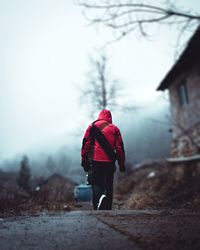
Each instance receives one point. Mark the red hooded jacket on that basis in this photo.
(112, 134)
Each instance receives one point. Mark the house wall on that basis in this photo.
(186, 118)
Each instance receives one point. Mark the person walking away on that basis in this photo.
(102, 146)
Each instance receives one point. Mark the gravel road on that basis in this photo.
(117, 229)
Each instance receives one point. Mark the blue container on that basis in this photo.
(83, 192)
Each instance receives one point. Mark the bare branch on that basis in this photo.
(120, 5)
(127, 17)
(142, 8)
(139, 22)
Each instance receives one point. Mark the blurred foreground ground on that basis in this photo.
(156, 207)
(170, 229)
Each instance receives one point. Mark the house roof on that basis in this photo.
(189, 58)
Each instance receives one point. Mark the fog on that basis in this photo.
(145, 133)
(44, 59)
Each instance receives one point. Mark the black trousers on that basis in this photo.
(103, 174)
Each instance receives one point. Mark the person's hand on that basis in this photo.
(85, 165)
(122, 168)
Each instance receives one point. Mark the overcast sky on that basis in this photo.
(44, 56)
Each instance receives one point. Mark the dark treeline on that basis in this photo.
(46, 164)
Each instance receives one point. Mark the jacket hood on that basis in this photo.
(105, 115)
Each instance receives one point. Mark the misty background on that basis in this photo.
(45, 52)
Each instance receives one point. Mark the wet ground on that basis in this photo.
(117, 229)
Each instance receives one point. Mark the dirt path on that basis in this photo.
(124, 230)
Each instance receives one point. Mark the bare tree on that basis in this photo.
(50, 164)
(24, 177)
(101, 90)
(127, 16)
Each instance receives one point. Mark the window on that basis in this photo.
(183, 94)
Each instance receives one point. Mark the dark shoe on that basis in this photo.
(102, 202)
